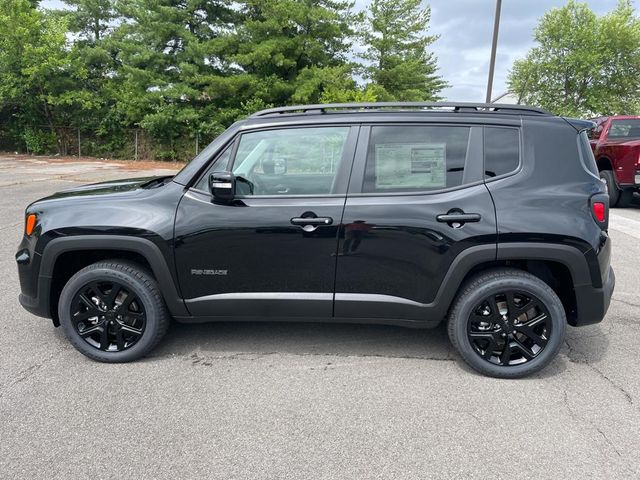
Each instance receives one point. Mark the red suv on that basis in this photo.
(616, 145)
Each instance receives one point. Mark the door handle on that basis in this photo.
(456, 218)
(459, 217)
(314, 221)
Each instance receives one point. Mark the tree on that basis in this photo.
(583, 65)
(399, 61)
(41, 83)
(91, 18)
(292, 51)
(170, 75)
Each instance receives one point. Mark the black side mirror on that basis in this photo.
(222, 186)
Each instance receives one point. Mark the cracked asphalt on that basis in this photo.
(280, 401)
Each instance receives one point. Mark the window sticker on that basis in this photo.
(412, 165)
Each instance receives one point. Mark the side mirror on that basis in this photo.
(222, 186)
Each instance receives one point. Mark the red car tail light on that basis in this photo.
(599, 211)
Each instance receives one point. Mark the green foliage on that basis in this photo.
(181, 71)
(583, 65)
(397, 48)
(39, 141)
(42, 80)
(90, 18)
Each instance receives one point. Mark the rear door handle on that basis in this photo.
(314, 221)
(459, 217)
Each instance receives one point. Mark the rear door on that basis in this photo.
(416, 200)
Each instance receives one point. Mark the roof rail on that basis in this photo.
(444, 106)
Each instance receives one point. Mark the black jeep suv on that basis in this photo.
(491, 217)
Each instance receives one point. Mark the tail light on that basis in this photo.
(599, 204)
(598, 211)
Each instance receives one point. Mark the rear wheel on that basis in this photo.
(112, 311)
(507, 323)
(612, 188)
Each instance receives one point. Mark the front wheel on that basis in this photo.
(507, 323)
(113, 311)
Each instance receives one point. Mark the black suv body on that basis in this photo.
(493, 217)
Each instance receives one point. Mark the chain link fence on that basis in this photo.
(127, 144)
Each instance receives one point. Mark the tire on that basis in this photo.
(481, 349)
(124, 333)
(612, 188)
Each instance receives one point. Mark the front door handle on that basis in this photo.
(314, 221)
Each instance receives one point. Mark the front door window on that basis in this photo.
(293, 161)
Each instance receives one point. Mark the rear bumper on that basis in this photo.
(593, 303)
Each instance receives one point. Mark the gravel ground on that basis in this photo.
(282, 401)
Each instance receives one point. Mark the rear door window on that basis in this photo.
(403, 158)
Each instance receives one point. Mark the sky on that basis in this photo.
(464, 47)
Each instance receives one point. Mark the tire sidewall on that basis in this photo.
(612, 188)
(152, 312)
(542, 292)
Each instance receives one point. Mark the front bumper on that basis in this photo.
(35, 305)
(593, 303)
(35, 288)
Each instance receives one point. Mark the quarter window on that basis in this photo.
(501, 151)
(408, 159)
(292, 161)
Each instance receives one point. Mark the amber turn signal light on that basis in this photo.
(30, 225)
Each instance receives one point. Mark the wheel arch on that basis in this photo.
(562, 267)
(552, 272)
(604, 163)
(62, 257)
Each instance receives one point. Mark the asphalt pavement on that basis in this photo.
(307, 401)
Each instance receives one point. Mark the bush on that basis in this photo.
(166, 155)
(39, 141)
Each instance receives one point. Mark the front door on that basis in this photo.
(417, 200)
(270, 253)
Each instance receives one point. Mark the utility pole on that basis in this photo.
(494, 45)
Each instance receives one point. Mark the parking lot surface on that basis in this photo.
(308, 401)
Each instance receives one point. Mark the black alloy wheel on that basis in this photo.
(507, 323)
(509, 328)
(113, 311)
(108, 316)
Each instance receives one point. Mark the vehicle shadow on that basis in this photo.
(584, 345)
(224, 338)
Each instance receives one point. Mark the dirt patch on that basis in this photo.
(123, 164)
